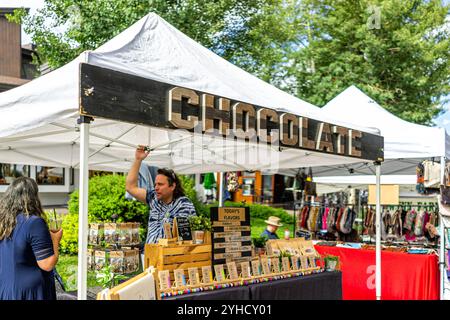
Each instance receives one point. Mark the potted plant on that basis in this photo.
(260, 245)
(199, 225)
(331, 262)
(107, 278)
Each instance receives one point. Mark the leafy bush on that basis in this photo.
(69, 241)
(200, 223)
(106, 198)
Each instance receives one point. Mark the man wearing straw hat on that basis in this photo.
(272, 225)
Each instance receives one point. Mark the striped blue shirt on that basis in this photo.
(161, 213)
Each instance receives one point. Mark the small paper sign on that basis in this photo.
(167, 231)
(245, 269)
(255, 268)
(295, 262)
(312, 261)
(220, 272)
(180, 278)
(164, 280)
(194, 277)
(304, 262)
(265, 263)
(232, 270)
(276, 268)
(285, 262)
(207, 276)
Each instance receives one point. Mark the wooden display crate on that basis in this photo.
(177, 256)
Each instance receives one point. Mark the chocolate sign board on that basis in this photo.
(231, 241)
(116, 95)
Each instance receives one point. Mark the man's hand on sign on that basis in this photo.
(141, 154)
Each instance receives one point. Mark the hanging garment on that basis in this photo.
(410, 219)
(348, 219)
(319, 219)
(403, 213)
(304, 217)
(420, 188)
(367, 221)
(300, 217)
(433, 216)
(431, 174)
(418, 224)
(311, 224)
(384, 223)
(394, 225)
(325, 219)
(339, 218)
(426, 219)
(331, 220)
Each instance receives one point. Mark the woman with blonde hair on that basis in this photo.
(28, 250)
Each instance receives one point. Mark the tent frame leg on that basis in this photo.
(84, 123)
(378, 232)
(442, 240)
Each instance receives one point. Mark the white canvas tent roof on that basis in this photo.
(405, 144)
(402, 139)
(38, 119)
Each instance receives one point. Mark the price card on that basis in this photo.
(304, 262)
(164, 280)
(220, 272)
(312, 261)
(265, 263)
(194, 277)
(295, 263)
(180, 278)
(276, 268)
(255, 268)
(285, 262)
(245, 269)
(167, 231)
(207, 276)
(232, 270)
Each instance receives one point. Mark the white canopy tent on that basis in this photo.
(39, 120)
(405, 145)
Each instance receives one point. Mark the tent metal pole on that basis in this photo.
(442, 242)
(378, 232)
(221, 175)
(83, 207)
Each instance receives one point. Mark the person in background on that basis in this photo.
(28, 250)
(273, 223)
(166, 201)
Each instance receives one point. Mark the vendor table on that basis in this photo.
(404, 276)
(322, 286)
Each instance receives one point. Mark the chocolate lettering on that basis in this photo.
(177, 94)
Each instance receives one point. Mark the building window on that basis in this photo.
(50, 175)
(8, 172)
(72, 176)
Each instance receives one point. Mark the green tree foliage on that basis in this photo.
(395, 51)
(220, 25)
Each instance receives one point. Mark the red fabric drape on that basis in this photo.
(403, 276)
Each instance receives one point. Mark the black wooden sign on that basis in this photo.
(120, 96)
(230, 236)
(184, 229)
